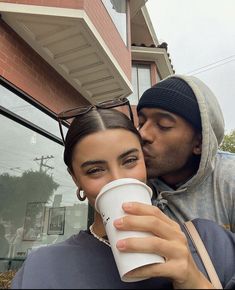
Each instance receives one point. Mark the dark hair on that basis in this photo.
(175, 95)
(94, 121)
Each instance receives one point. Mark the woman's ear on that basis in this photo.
(197, 149)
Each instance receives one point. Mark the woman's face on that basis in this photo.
(105, 156)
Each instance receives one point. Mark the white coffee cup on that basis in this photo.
(109, 204)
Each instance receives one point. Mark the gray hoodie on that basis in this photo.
(210, 193)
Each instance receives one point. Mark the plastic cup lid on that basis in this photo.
(118, 182)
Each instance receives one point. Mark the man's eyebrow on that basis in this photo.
(166, 115)
(92, 162)
(124, 154)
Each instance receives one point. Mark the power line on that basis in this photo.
(213, 64)
(213, 67)
(42, 163)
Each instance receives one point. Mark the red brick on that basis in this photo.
(3, 56)
(1, 71)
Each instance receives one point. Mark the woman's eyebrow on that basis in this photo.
(126, 153)
(92, 162)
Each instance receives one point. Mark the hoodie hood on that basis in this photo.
(212, 126)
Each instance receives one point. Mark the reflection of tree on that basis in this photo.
(119, 6)
(33, 221)
(16, 192)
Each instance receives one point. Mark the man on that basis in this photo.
(182, 125)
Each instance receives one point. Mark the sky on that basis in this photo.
(201, 42)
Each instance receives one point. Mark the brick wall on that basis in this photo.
(23, 67)
(75, 4)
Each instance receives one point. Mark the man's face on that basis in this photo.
(169, 145)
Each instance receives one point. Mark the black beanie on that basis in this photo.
(174, 95)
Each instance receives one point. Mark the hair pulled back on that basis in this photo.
(95, 120)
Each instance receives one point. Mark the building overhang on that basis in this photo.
(153, 54)
(135, 6)
(70, 43)
(142, 31)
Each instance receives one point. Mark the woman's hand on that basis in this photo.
(168, 241)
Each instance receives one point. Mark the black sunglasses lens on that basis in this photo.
(66, 115)
(112, 103)
(74, 112)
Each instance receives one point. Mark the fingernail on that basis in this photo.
(118, 222)
(127, 205)
(121, 245)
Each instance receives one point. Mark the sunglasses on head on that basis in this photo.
(81, 110)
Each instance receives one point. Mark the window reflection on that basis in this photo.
(12, 102)
(117, 11)
(33, 180)
(141, 81)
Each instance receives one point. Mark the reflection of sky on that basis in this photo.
(22, 108)
(117, 11)
(20, 147)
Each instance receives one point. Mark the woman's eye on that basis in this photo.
(95, 171)
(130, 161)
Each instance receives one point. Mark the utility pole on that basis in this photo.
(43, 160)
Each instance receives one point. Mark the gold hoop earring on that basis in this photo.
(78, 193)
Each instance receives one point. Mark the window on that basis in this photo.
(141, 81)
(117, 11)
(33, 181)
(24, 109)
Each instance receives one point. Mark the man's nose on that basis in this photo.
(147, 132)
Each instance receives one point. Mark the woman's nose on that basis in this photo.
(117, 173)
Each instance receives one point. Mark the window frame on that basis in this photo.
(126, 38)
(152, 67)
(30, 125)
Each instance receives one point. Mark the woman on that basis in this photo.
(103, 145)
